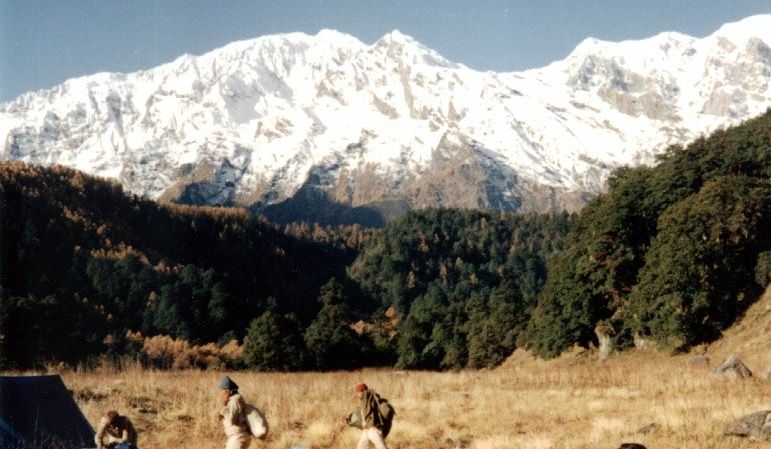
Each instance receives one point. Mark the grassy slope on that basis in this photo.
(749, 338)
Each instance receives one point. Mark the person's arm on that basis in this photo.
(124, 436)
(99, 437)
(132, 432)
(224, 399)
(364, 410)
(239, 411)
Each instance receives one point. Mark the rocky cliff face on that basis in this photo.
(386, 127)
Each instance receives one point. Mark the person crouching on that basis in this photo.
(115, 432)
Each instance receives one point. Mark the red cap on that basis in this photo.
(361, 387)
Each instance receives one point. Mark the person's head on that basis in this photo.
(227, 385)
(114, 420)
(111, 415)
(360, 388)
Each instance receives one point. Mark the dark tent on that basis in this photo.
(39, 412)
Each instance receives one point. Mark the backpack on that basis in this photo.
(256, 422)
(387, 412)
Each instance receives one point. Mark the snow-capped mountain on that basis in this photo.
(294, 123)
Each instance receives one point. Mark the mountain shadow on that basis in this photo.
(311, 204)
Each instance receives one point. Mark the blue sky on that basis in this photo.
(42, 43)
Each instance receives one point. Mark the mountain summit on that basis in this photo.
(330, 129)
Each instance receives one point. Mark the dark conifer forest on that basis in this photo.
(672, 254)
(85, 266)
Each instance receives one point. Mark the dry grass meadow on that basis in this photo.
(568, 403)
(575, 402)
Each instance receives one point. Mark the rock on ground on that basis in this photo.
(755, 425)
(733, 367)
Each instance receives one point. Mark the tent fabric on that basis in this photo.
(7, 440)
(39, 412)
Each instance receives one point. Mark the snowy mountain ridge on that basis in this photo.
(295, 123)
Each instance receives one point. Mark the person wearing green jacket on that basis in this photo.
(374, 426)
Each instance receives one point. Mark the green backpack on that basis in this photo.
(386, 410)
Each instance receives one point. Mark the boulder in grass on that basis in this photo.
(756, 426)
(631, 446)
(733, 367)
(697, 360)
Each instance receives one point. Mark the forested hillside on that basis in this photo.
(672, 253)
(80, 261)
(87, 270)
(462, 282)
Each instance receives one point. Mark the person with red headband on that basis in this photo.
(374, 416)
